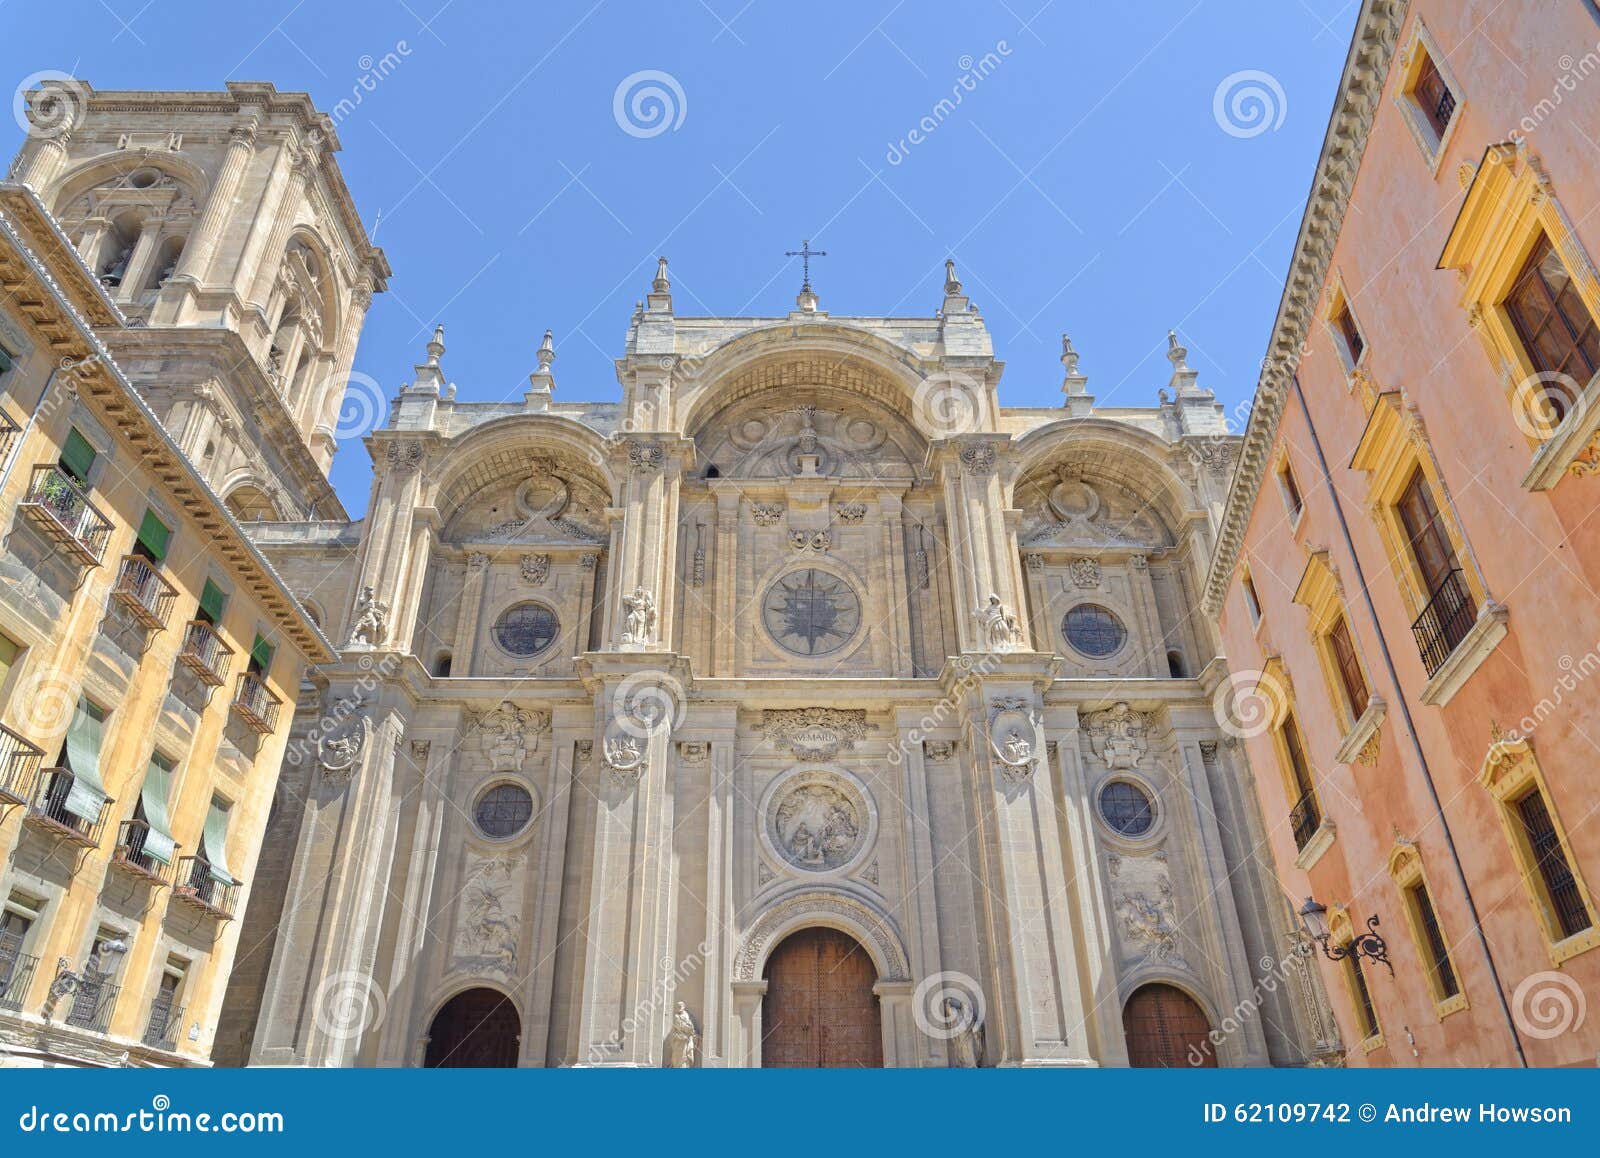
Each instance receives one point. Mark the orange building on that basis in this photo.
(1407, 568)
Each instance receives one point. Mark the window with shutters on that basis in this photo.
(1305, 811)
(1352, 681)
(1427, 931)
(1293, 503)
(1559, 335)
(78, 457)
(1428, 94)
(212, 601)
(153, 537)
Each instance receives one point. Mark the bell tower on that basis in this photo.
(221, 225)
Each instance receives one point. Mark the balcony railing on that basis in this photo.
(92, 1002)
(256, 706)
(47, 809)
(61, 508)
(1305, 818)
(19, 764)
(1445, 621)
(141, 589)
(16, 974)
(131, 857)
(8, 433)
(166, 1020)
(199, 887)
(205, 654)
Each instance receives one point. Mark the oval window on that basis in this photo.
(1094, 631)
(526, 629)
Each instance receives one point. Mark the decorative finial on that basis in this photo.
(807, 300)
(547, 352)
(1069, 356)
(661, 285)
(1176, 354)
(436, 347)
(952, 284)
(1075, 385)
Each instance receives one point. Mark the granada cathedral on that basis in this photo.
(803, 706)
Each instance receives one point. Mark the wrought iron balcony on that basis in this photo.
(8, 433)
(93, 999)
(141, 589)
(199, 888)
(205, 654)
(62, 510)
(1304, 819)
(166, 1020)
(47, 809)
(1445, 621)
(131, 857)
(256, 705)
(19, 764)
(16, 974)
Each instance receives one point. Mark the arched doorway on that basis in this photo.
(820, 1009)
(1165, 1027)
(477, 1028)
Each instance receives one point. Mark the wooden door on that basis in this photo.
(1164, 1027)
(478, 1028)
(820, 1010)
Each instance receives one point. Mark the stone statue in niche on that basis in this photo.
(372, 614)
(681, 1039)
(967, 1032)
(639, 609)
(999, 625)
(1117, 736)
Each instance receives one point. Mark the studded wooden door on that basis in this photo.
(820, 1009)
(478, 1028)
(1165, 1027)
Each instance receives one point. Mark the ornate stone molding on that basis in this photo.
(814, 733)
(403, 457)
(646, 455)
(1013, 721)
(766, 514)
(535, 569)
(1118, 736)
(823, 907)
(339, 752)
(977, 459)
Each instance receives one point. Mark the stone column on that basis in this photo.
(201, 246)
(570, 724)
(724, 632)
(1038, 603)
(650, 469)
(386, 547)
(139, 261)
(1144, 597)
(258, 267)
(901, 1037)
(91, 244)
(47, 161)
(716, 1019)
(467, 612)
(581, 631)
(892, 514)
(1034, 996)
(917, 866)
(982, 556)
(409, 956)
(630, 953)
(747, 997)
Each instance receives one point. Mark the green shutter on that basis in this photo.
(6, 361)
(261, 655)
(77, 456)
(84, 734)
(217, 841)
(211, 601)
(157, 787)
(154, 535)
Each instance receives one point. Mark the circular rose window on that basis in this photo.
(811, 612)
(1093, 631)
(1126, 808)
(504, 810)
(526, 629)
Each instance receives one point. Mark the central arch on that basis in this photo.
(1166, 1028)
(820, 1009)
(475, 1029)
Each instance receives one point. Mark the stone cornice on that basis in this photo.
(124, 407)
(1360, 93)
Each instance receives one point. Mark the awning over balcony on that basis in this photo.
(217, 843)
(158, 842)
(84, 735)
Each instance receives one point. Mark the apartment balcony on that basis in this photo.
(130, 857)
(48, 812)
(8, 433)
(19, 764)
(166, 1020)
(205, 654)
(141, 589)
(199, 888)
(1445, 621)
(60, 508)
(255, 705)
(1305, 818)
(16, 974)
(93, 999)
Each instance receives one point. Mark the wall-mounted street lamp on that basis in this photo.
(1370, 944)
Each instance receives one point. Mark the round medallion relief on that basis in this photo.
(811, 612)
(818, 821)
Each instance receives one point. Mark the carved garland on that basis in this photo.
(815, 908)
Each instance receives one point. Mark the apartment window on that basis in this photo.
(1351, 678)
(260, 656)
(1556, 329)
(96, 994)
(1366, 1012)
(1448, 610)
(1441, 972)
(17, 920)
(212, 601)
(1305, 815)
(1349, 334)
(1291, 491)
(8, 359)
(10, 651)
(153, 538)
(1433, 96)
(1252, 601)
(77, 456)
(1550, 860)
(166, 1014)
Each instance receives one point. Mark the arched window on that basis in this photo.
(1175, 665)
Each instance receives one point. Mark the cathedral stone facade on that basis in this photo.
(806, 707)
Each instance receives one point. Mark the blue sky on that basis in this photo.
(1093, 178)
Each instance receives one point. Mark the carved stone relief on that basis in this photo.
(1118, 735)
(818, 820)
(489, 918)
(814, 733)
(1141, 895)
